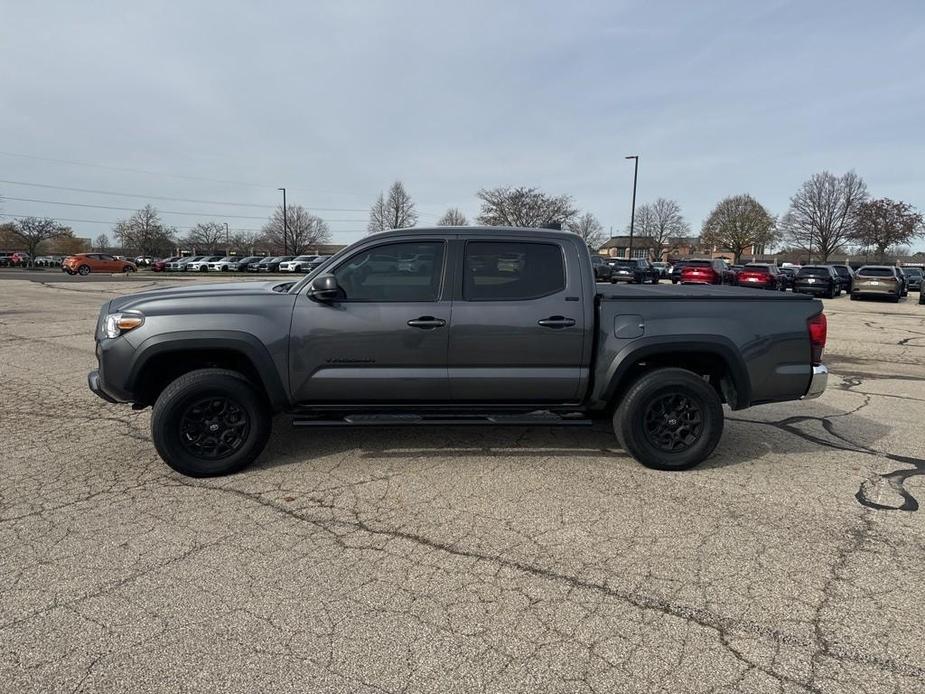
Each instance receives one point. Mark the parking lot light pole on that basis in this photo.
(635, 159)
(285, 224)
(226, 237)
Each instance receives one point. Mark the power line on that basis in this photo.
(108, 223)
(164, 197)
(132, 209)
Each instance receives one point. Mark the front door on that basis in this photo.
(384, 338)
(518, 328)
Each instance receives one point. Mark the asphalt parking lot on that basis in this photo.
(489, 560)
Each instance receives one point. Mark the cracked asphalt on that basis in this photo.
(461, 560)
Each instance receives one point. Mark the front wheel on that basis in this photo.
(670, 419)
(210, 422)
(83, 270)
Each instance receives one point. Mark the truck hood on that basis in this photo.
(197, 292)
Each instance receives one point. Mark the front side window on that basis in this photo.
(512, 271)
(393, 272)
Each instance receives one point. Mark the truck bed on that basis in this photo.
(681, 292)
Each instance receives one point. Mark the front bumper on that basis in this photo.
(96, 385)
(817, 383)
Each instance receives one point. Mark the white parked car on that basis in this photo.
(229, 262)
(298, 264)
(202, 265)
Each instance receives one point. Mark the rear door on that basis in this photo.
(518, 328)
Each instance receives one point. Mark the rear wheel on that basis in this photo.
(670, 419)
(127, 269)
(210, 422)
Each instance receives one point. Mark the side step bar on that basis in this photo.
(442, 419)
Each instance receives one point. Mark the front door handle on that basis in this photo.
(426, 323)
(556, 322)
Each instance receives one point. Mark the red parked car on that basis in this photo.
(707, 272)
(761, 276)
(160, 265)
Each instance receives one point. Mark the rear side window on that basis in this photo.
(505, 271)
(393, 272)
(876, 272)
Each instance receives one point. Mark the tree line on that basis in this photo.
(826, 216)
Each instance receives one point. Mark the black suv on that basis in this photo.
(602, 271)
(845, 277)
(635, 271)
(817, 279)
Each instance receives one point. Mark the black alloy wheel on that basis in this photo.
(213, 428)
(673, 422)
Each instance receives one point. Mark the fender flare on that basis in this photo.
(714, 345)
(243, 343)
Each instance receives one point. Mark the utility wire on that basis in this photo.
(164, 197)
(132, 209)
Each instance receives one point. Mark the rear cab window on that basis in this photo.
(512, 270)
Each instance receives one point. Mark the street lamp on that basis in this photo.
(226, 236)
(635, 158)
(285, 224)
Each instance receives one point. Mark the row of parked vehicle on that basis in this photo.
(828, 280)
(230, 263)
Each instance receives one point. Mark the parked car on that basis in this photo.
(144, 261)
(663, 269)
(161, 264)
(298, 264)
(319, 260)
(272, 264)
(182, 265)
(244, 264)
(202, 265)
(48, 260)
(714, 271)
(878, 280)
(5, 258)
(676, 268)
(223, 264)
(602, 270)
(20, 259)
(532, 345)
(85, 263)
(904, 281)
(845, 276)
(788, 275)
(634, 271)
(760, 276)
(818, 280)
(913, 278)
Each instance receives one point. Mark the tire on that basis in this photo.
(613, 281)
(831, 293)
(644, 400)
(179, 407)
(854, 297)
(127, 269)
(204, 268)
(83, 270)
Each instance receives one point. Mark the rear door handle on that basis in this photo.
(556, 322)
(426, 323)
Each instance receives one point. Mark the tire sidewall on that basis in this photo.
(629, 418)
(172, 403)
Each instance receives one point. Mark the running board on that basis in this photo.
(442, 419)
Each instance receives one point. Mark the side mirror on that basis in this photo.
(323, 288)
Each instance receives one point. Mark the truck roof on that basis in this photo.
(506, 231)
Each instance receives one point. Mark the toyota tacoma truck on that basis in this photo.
(453, 326)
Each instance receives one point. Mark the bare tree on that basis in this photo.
(206, 236)
(453, 217)
(589, 229)
(738, 223)
(145, 232)
(378, 216)
(823, 213)
(662, 222)
(395, 212)
(31, 231)
(524, 207)
(102, 242)
(884, 223)
(305, 230)
(246, 241)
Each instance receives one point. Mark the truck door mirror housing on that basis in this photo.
(323, 288)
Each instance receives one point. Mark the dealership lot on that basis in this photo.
(461, 560)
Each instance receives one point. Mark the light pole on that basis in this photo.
(226, 236)
(285, 224)
(635, 158)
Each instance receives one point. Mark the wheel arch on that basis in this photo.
(162, 358)
(714, 357)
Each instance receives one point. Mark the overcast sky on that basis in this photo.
(226, 101)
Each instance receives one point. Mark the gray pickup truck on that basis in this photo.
(453, 326)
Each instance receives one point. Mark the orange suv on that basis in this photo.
(85, 263)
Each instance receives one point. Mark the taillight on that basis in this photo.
(818, 327)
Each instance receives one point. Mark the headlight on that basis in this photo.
(118, 323)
